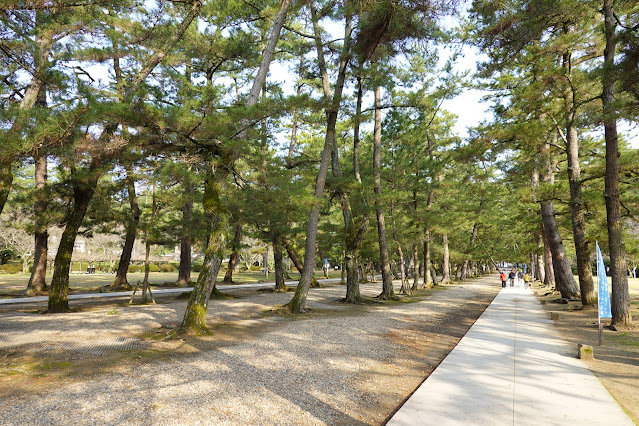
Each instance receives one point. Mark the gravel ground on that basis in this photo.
(336, 366)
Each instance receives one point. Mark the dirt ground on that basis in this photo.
(417, 345)
(616, 362)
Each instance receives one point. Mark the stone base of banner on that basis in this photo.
(585, 352)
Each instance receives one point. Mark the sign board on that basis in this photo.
(604, 293)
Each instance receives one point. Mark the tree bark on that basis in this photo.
(6, 179)
(120, 282)
(541, 267)
(195, 315)
(445, 260)
(549, 272)
(428, 279)
(279, 266)
(297, 304)
(415, 267)
(37, 281)
(235, 255)
(387, 281)
(83, 191)
(147, 243)
(620, 302)
(584, 270)
(292, 254)
(184, 270)
(564, 280)
(405, 289)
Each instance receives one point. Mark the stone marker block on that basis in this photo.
(585, 352)
(554, 316)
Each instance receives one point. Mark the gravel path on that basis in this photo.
(331, 368)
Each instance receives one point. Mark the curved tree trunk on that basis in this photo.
(564, 280)
(83, 191)
(620, 302)
(298, 303)
(292, 254)
(37, 281)
(120, 282)
(195, 314)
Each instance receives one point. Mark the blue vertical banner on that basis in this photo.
(604, 294)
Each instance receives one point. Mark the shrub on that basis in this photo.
(134, 268)
(196, 267)
(152, 267)
(256, 268)
(10, 269)
(167, 267)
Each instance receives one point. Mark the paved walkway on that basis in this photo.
(511, 368)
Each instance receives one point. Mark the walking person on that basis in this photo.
(511, 277)
(520, 278)
(503, 278)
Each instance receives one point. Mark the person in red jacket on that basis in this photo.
(503, 277)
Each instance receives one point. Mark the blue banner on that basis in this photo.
(604, 294)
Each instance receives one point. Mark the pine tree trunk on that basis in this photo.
(298, 303)
(620, 302)
(292, 254)
(584, 270)
(120, 282)
(415, 267)
(428, 279)
(147, 267)
(352, 277)
(235, 255)
(549, 272)
(564, 280)
(195, 315)
(354, 235)
(37, 281)
(83, 191)
(541, 267)
(446, 260)
(147, 244)
(184, 270)
(279, 266)
(387, 281)
(6, 179)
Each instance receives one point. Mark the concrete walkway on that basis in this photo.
(511, 368)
